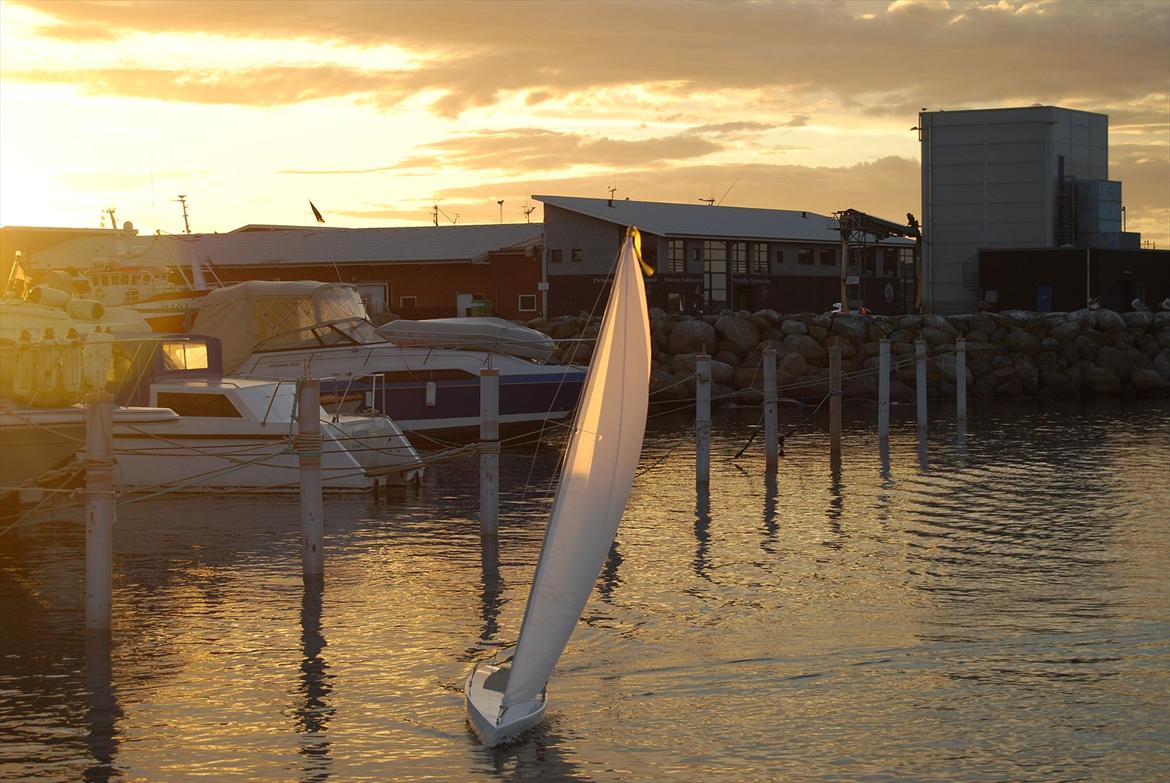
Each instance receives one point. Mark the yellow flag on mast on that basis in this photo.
(636, 235)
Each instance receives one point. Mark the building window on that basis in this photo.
(804, 256)
(676, 259)
(738, 257)
(554, 256)
(673, 302)
(697, 255)
(715, 272)
(527, 303)
(780, 256)
(868, 263)
(578, 255)
(760, 258)
(890, 262)
(408, 301)
(828, 256)
(906, 256)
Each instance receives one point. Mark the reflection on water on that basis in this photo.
(990, 602)
(313, 712)
(102, 712)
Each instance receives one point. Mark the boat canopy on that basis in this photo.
(263, 315)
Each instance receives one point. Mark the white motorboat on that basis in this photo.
(506, 696)
(237, 433)
(296, 330)
(34, 441)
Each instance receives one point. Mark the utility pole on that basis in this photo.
(186, 223)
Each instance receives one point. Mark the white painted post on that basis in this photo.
(835, 400)
(884, 390)
(961, 378)
(702, 420)
(99, 511)
(489, 451)
(920, 380)
(770, 424)
(308, 447)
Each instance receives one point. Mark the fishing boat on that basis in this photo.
(506, 695)
(297, 329)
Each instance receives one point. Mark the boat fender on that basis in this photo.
(71, 363)
(85, 309)
(49, 297)
(49, 363)
(97, 358)
(26, 367)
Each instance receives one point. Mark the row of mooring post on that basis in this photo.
(100, 513)
(835, 397)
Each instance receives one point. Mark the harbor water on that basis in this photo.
(992, 607)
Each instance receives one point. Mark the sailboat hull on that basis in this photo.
(482, 693)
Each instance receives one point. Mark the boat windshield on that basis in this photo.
(333, 315)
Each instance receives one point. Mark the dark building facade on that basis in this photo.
(1065, 279)
(712, 258)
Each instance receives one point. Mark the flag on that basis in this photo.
(316, 212)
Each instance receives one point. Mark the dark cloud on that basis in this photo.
(533, 149)
(970, 54)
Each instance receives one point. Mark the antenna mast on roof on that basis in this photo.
(186, 223)
(528, 214)
(501, 205)
(435, 212)
(113, 222)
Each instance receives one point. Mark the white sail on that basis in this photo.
(595, 481)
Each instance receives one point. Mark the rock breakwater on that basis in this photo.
(1013, 354)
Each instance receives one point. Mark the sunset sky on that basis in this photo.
(379, 110)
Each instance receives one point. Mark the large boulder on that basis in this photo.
(1101, 381)
(1065, 331)
(793, 365)
(1139, 321)
(806, 346)
(692, 336)
(1147, 381)
(1108, 321)
(792, 326)
(1021, 341)
(983, 322)
(740, 332)
(1162, 364)
(850, 327)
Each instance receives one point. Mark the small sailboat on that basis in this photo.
(505, 695)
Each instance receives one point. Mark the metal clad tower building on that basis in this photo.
(1004, 178)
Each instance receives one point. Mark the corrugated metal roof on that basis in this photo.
(695, 220)
(354, 246)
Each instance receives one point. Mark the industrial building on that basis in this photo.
(1012, 179)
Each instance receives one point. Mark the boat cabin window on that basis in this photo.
(198, 404)
(184, 356)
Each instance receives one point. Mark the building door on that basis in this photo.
(1044, 299)
(744, 299)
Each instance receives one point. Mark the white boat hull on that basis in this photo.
(482, 693)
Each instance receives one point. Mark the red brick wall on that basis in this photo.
(501, 279)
